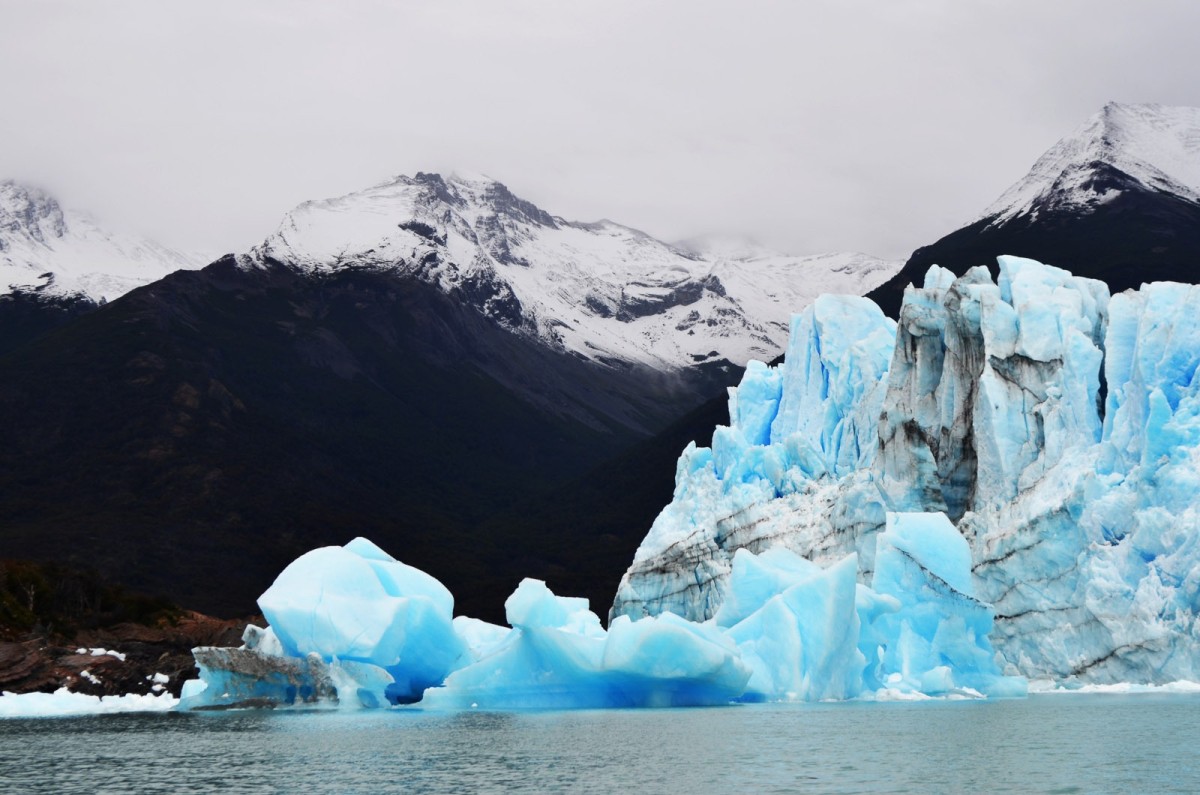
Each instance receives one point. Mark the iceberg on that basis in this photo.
(1052, 429)
(358, 604)
(348, 625)
(790, 630)
(558, 656)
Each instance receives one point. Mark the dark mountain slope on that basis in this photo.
(1141, 235)
(195, 435)
(580, 536)
(25, 315)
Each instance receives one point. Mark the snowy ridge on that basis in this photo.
(600, 290)
(1157, 145)
(57, 252)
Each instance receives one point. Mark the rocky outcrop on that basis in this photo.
(126, 658)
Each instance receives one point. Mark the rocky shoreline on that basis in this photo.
(117, 660)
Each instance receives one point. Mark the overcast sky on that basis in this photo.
(814, 126)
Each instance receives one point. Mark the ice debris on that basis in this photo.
(64, 703)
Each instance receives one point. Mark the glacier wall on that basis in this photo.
(1056, 427)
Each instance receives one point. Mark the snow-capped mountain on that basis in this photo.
(61, 253)
(1118, 199)
(1157, 146)
(602, 291)
(411, 360)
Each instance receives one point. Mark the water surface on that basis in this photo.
(1049, 743)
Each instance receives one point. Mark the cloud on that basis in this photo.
(817, 126)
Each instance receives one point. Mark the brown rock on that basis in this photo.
(166, 649)
(23, 667)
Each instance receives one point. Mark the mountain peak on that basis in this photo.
(52, 251)
(1157, 146)
(28, 212)
(471, 179)
(603, 291)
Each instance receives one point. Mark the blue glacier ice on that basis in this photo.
(937, 641)
(1053, 427)
(790, 630)
(802, 641)
(358, 604)
(558, 656)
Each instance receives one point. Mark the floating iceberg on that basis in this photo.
(347, 624)
(558, 656)
(342, 633)
(1056, 430)
(359, 604)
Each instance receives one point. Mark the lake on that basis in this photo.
(1046, 743)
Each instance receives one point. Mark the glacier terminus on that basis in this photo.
(1054, 425)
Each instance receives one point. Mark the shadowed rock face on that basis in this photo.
(26, 315)
(1140, 235)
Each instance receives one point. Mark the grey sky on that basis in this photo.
(815, 126)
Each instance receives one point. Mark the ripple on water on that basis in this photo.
(1047, 744)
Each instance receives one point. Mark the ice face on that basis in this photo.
(821, 409)
(830, 400)
(238, 678)
(1080, 510)
(937, 641)
(802, 644)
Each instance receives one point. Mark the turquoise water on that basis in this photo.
(1050, 743)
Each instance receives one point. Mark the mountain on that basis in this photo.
(1117, 200)
(406, 362)
(56, 264)
(982, 405)
(601, 291)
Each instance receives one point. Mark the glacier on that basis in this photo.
(1054, 427)
(354, 628)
